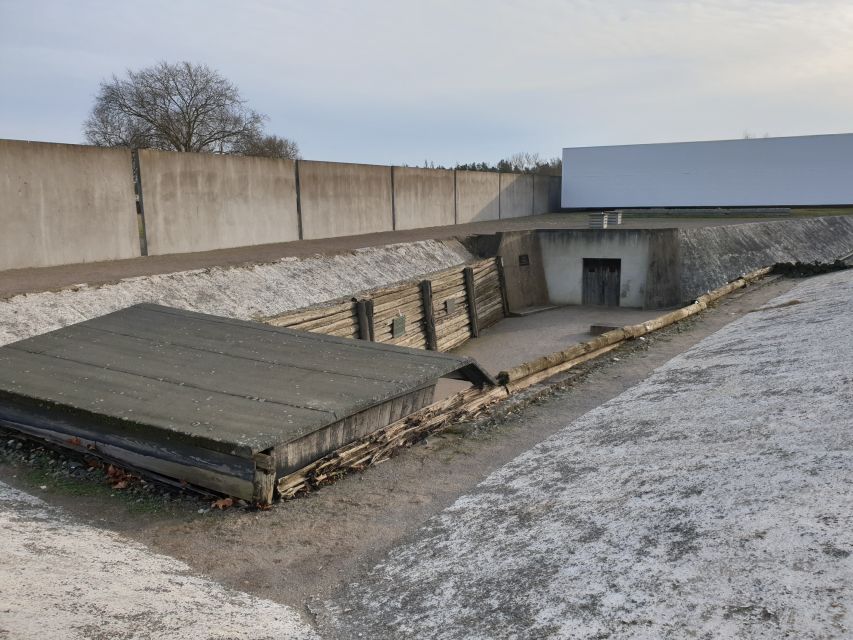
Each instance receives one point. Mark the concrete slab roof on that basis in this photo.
(237, 387)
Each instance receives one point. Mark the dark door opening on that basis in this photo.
(602, 281)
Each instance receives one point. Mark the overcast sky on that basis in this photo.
(451, 80)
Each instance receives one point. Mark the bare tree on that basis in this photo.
(268, 146)
(176, 107)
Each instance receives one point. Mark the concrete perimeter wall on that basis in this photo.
(712, 256)
(477, 196)
(202, 201)
(423, 198)
(344, 199)
(516, 198)
(63, 204)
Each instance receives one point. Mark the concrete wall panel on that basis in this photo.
(541, 194)
(563, 253)
(65, 204)
(523, 271)
(477, 196)
(800, 170)
(554, 193)
(516, 195)
(423, 198)
(201, 201)
(344, 199)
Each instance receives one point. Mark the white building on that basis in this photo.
(756, 172)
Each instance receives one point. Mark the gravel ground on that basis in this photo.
(714, 499)
(66, 580)
(243, 292)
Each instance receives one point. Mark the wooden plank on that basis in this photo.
(229, 481)
(311, 313)
(324, 326)
(397, 301)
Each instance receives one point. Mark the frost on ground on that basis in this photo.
(715, 499)
(64, 580)
(245, 292)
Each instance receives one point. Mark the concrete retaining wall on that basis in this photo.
(477, 196)
(344, 199)
(523, 271)
(712, 256)
(65, 204)
(516, 199)
(201, 201)
(563, 252)
(423, 198)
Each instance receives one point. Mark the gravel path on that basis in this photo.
(714, 499)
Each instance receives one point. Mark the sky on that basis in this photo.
(451, 81)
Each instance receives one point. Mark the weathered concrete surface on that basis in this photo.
(516, 199)
(525, 283)
(477, 196)
(663, 276)
(66, 580)
(546, 194)
(713, 256)
(63, 204)
(423, 198)
(202, 201)
(711, 500)
(339, 199)
(563, 253)
(245, 292)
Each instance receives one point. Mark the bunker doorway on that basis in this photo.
(602, 281)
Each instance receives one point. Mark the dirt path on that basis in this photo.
(302, 551)
(19, 281)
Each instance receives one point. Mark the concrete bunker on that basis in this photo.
(222, 404)
(658, 267)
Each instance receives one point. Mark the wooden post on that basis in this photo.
(364, 311)
(368, 304)
(468, 276)
(429, 316)
(499, 261)
(264, 482)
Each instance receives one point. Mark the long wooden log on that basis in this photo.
(629, 331)
(312, 313)
(335, 322)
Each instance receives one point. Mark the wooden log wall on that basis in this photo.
(489, 292)
(440, 312)
(339, 319)
(405, 301)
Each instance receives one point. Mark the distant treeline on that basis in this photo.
(521, 162)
